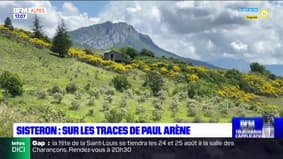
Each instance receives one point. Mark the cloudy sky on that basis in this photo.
(207, 31)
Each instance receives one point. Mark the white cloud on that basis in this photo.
(185, 4)
(70, 9)
(210, 45)
(197, 29)
(213, 29)
(239, 46)
(135, 8)
(69, 13)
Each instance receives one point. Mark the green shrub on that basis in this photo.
(94, 93)
(121, 83)
(155, 82)
(258, 68)
(145, 52)
(157, 114)
(214, 77)
(48, 113)
(90, 112)
(57, 98)
(11, 83)
(174, 108)
(1, 96)
(200, 88)
(105, 106)
(87, 87)
(75, 105)
(53, 90)
(41, 95)
(130, 118)
(141, 99)
(142, 118)
(192, 111)
(193, 89)
(113, 116)
(123, 103)
(214, 119)
(71, 88)
(281, 112)
(108, 99)
(140, 109)
(110, 91)
(198, 119)
(129, 53)
(234, 76)
(91, 102)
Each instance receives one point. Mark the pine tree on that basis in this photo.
(37, 28)
(8, 23)
(61, 42)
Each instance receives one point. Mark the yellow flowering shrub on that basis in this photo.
(278, 84)
(154, 65)
(97, 60)
(3, 28)
(128, 67)
(146, 68)
(134, 65)
(21, 35)
(160, 64)
(119, 67)
(163, 70)
(40, 42)
(176, 68)
(236, 93)
(192, 77)
(172, 73)
(25, 35)
(75, 52)
(262, 85)
(106, 62)
(196, 68)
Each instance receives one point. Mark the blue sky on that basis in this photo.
(91, 7)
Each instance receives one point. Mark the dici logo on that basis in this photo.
(19, 148)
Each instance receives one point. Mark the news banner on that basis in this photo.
(146, 140)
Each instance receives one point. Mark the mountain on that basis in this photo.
(275, 69)
(230, 63)
(108, 34)
(244, 66)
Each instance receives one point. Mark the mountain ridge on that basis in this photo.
(244, 66)
(105, 35)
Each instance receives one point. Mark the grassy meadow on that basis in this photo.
(46, 97)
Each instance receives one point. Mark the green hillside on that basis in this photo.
(79, 88)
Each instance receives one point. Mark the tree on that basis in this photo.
(146, 52)
(37, 28)
(113, 116)
(11, 83)
(129, 52)
(258, 68)
(61, 42)
(8, 23)
(234, 76)
(155, 82)
(121, 83)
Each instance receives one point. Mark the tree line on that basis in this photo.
(61, 42)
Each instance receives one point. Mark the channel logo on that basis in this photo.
(264, 13)
(37, 10)
(20, 13)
